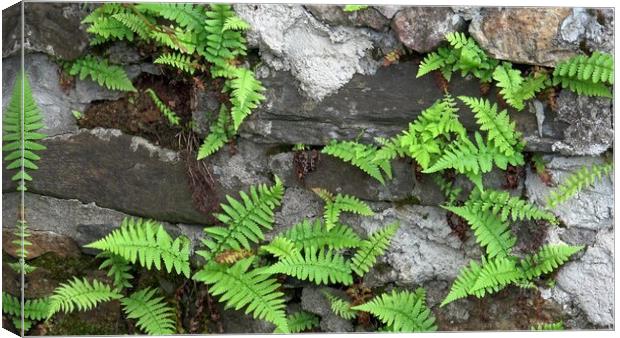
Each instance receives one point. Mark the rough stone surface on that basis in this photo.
(423, 29)
(313, 301)
(510, 34)
(321, 58)
(42, 243)
(115, 171)
(334, 15)
(592, 28)
(47, 27)
(298, 204)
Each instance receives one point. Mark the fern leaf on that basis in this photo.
(112, 77)
(509, 80)
(354, 8)
(306, 234)
(118, 269)
(219, 134)
(154, 316)
(147, 242)
(109, 29)
(20, 136)
(547, 259)
(177, 60)
(281, 247)
(80, 294)
(246, 95)
(502, 204)
(34, 309)
(340, 307)
(376, 244)
(301, 321)
(244, 219)
(172, 117)
(577, 181)
(557, 326)
(402, 311)
(334, 205)
(222, 44)
(235, 23)
(189, 16)
(359, 155)
(135, 23)
(252, 289)
(432, 61)
(586, 75)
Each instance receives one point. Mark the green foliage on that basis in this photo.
(586, 75)
(449, 190)
(514, 88)
(577, 181)
(154, 316)
(188, 16)
(220, 133)
(251, 289)
(557, 326)
(118, 269)
(111, 76)
(502, 204)
(223, 43)
(402, 311)
(547, 259)
(334, 205)
(244, 219)
(245, 96)
(21, 135)
(361, 156)
(367, 253)
(301, 321)
(354, 8)
(177, 60)
(80, 294)
(172, 117)
(306, 234)
(339, 306)
(34, 309)
(147, 242)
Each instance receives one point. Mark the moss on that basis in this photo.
(73, 324)
(62, 268)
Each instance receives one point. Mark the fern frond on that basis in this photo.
(239, 288)
(246, 95)
(179, 39)
(80, 294)
(20, 136)
(281, 247)
(109, 29)
(118, 269)
(222, 44)
(577, 181)
(340, 307)
(402, 311)
(105, 10)
(557, 326)
(354, 8)
(316, 265)
(219, 134)
(547, 259)
(26, 323)
(369, 250)
(172, 117)
(34, 309)
(154, 316)
(432, 61)
(449, 189)
(244, 219)
(514, 88)
(235, 23)
(147, 242)
(189, 16)
(586, 75)
(334, 205)
(359, 155)
(306, 234)
(502, 204)
(135, 23)
(491, 232)
(21, 243)
(100, 71)
(177, 60)
(301, 321)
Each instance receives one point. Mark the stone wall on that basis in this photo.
(326, 79)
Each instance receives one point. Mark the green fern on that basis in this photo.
(244, 220)
(172, 117)
(179, 39)
(34, 309)
(301, 321)
(443, 59)
(80, 294)
(577, 181)
(402, 311)
(449, 189)
(354, 8)
(223, 44)
(334, 205)
(502, 204)
(118, 269)
(110, 29)
(281, 247)
(100, 71)
(134, 23)
(21, 135)
(547, 259)
(220, 133)
(177, 60)
(557, 326)
(586, 75)
(359, 155)
(340, 307)
(235, 23)
(376, 244)
(252, 289)
(189, 16)
(514, 88)
(306, 234)
(154, 316)
(245, 96)
(147, 242)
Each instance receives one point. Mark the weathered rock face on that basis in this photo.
(590, 28)
(423, 29)
(522, 35)
(335, 16)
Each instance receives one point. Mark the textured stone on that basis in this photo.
(522, 35)
(313, 301)
(42, 243)
(334, 15)
(423, 29)
(298, 204)
(47, 28)
(590, 28)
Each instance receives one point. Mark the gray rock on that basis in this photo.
(115, 171)
(592, 208)
(236, 321)
(423, 29)
(47, 28)
(321, 58)
(522, 35)
(468, 13)
(592, 28)
(313, 301)
(297, 205)
(334, 15)
(388, 10)
(590, 130)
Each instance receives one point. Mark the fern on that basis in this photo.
(339, 306)
(189, 16)
(252, 289)
(334, 205)
(244, 219)
(306, 234)
(301, 321)
(220, 132)
(402, 311)
(235, 23)
(154, 316)
(222, 44)
(172, 117)
(359, 155)
(34, 309)
(514, 88)
(80, 294)
(367, 253)
(502, 204)
(118, 269)
(443, 59)
(491, 232)
(547, 259)
(147, 242)
(557, 326)
(178, 39)
(134, 23)
(177, 60)
(577, 181)
(109, 29)
(586, 75)
(450, 191)
(246, 95)
(21, 135)
(316, 265)
(470, 58)
(354, 8)
(281, 247)
(100, 71)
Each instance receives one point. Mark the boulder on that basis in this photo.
(336, 16)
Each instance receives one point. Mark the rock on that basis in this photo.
(522, 35)
(590, 28)
(42, 242)
(591, 209)
(588, 282)
(322, 59)
(590, 130)
(298, 204)
(468, 13)
(313, 301)
(238, 322)
(47, 27)
(388, 10)
(334, 15)
(423, 29)
(116, 171)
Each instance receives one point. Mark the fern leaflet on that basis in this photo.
(177, 60)
(502, 204)
(246, 95)
(306, 234)
(334, 205)
(154, 316)
(118, 269)
(80, 294)
(172, 117)
(367, 253)
(547, 259)
(301, 321)
(110, 76)
(34, 309)
(578, 181)
(219, 133)
(340, 307)
(359, 155)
